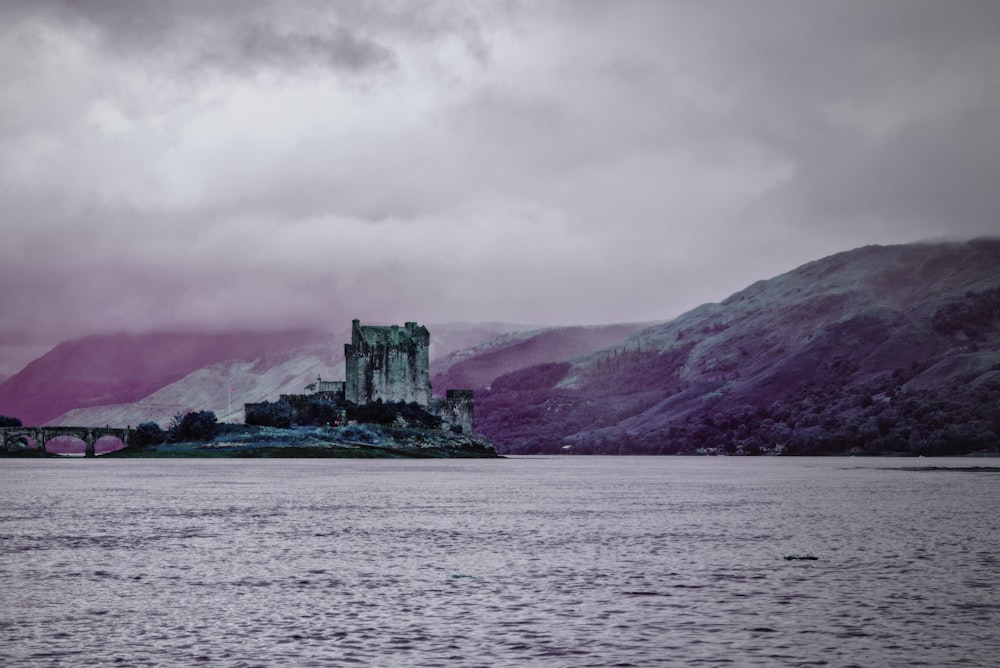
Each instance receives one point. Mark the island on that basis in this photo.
(355, 440)
(383, 408)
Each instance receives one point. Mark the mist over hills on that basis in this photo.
(476, 367)
(461, 354)
(126, 379)
(124, 368)
(874, 350)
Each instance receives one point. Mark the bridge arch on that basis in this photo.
(67, 445)
(13, 438)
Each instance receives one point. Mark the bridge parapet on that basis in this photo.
(18, 436)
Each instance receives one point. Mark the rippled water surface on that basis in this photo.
(518, 562)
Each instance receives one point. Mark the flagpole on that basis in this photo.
(229, 415)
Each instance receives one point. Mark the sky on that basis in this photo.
(258, 164)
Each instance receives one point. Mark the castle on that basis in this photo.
(390, 364)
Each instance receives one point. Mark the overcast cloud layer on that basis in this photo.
(246, 163)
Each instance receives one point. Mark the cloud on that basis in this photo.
(237, 37)
(256, 163)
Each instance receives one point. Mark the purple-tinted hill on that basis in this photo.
(477, 367)
(123, 368)
(879, 349)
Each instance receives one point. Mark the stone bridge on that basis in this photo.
(16, 438)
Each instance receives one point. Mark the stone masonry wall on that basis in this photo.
(388, 363)
(456, 409)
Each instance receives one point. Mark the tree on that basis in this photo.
(147, 433)
(6, 421)
(319, 410)
(193, 426)
(387, 413)
(269, 414)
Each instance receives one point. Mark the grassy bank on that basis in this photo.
(357, 441)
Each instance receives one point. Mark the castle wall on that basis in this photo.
(326, 387)
(456, 409)
(388, 363)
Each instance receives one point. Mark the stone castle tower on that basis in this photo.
(388, 363)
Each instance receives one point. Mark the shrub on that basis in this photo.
(146, 434)
(7, 421)
(193, 426)
(974, 315)
(388, 412)
(269, 414)
(359, 432)
(319, 411)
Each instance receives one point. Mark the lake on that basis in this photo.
(563, 561)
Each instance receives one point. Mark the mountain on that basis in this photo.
(123, 368)
(476, 367)
(496, 348)
(450, 337)
(121, 379)
(260, 378)
(883, 348)
(879, 349)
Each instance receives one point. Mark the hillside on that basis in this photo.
(476, 367)
(872, 350)
(207, 388)
(879, 349)
(124, 368)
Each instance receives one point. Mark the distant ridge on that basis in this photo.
(882, 348)
(476, 367)
(123, 368)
